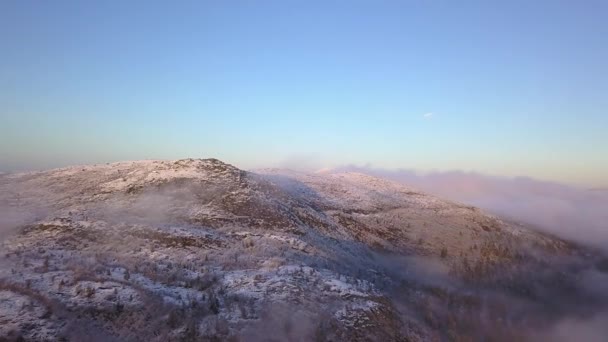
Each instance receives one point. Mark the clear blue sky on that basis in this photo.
(515, 87)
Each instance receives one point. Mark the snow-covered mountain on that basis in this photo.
(194, 250)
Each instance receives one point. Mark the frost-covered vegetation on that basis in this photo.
(199, 250)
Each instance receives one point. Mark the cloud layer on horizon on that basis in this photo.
(575, 214)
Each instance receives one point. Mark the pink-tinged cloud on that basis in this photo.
(579, 215)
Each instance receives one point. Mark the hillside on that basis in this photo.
(194, 250)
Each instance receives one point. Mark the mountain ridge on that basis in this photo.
(233, 252)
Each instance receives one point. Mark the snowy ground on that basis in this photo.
(198, 249)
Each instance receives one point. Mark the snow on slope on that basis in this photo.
(198, 249)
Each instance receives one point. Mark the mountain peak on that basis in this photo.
(200, 243)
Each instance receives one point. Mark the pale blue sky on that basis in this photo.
(515, 87)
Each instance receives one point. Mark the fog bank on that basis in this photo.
(576, 214)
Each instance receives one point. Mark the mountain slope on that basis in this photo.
(200, 250)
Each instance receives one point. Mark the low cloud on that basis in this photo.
(579, 215)
(301, 162)
(594, 329)
(428, 115)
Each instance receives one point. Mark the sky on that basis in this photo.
(507, 88)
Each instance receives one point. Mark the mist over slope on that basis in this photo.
(194, 250)
(571, 213)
